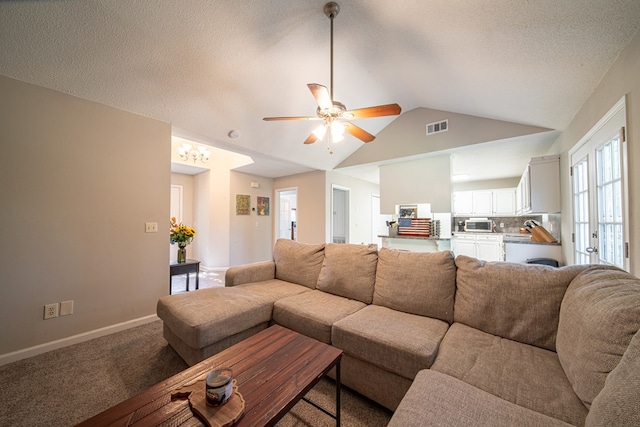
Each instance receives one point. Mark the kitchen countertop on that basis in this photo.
(404, 236)
(513, 238)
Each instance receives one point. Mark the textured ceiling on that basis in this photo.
(209, 67)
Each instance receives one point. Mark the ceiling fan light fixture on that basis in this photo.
(337, 131)
(320, 131)
(332, 112)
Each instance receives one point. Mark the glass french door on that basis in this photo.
(600, 218)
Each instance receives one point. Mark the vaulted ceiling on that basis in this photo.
(210, 67)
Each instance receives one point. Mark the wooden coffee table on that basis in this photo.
(274, 370)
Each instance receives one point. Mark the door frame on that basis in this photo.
(347, 211)
(278, 212)
(619, 106)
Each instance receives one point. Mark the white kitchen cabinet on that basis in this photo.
(464, 244)
(539, 188)
(482, 202)
(463, 203)
(499, 202)
(487, 247)
(504, 202)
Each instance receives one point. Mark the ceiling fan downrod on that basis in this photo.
(331, 9)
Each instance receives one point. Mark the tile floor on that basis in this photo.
(208, 279)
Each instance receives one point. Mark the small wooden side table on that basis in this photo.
(187, 267)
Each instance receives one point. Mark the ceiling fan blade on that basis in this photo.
(270, 119)
(378, 111)
(358, 132)
(311, 138)
(321, 94)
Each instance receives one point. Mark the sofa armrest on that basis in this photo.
(439, 400)
(256, 272)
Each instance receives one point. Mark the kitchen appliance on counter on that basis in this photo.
(479, 225)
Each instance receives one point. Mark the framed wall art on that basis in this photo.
(243, 204)
(263, 206)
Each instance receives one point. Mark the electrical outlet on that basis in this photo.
(151, 227)
(66, 308)
(51, 310)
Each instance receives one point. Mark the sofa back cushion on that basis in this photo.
(349, 271)
(416, 282)
(520, 302)
(298, 262)
(600, 314)
(617, 403)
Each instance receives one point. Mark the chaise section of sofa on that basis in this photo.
(201, 323)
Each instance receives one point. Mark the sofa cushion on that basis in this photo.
(617, 403)
(203, 317)
(313, 313)
(298, 262)
(526, 375)
(515, 301)
(600, 314)
(438, 400)
(349, 271)
(416, 282)
(395, 341)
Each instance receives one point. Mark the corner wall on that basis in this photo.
(622, 78)
(78, 181)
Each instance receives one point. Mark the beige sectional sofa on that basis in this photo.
(441, 342)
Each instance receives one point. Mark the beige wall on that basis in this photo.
(425, 180)
(622, 79)
(250, 236)
(78, 182)
(311, 204)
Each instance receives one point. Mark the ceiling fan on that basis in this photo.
(334, 113)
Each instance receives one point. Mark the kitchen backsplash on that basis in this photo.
(507, 224)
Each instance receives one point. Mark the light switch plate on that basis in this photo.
(151, 227)
(66, 308)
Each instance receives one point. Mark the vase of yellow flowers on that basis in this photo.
(181, 235)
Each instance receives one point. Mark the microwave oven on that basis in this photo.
(478, 225)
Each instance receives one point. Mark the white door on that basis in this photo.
(599, 192)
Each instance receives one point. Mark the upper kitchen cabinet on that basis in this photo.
(539, 189)
(499, 202)
(504, 202)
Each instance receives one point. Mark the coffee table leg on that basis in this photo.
(338, 394)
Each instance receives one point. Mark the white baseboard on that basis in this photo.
(75, 339)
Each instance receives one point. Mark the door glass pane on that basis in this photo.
(609, 188)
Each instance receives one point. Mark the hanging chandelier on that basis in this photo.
(187, 152)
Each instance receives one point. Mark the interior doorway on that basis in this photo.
(340, 214)
(286, 214)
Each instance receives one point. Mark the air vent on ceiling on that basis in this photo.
(438, 127)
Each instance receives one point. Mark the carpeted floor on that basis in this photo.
(69, 385)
